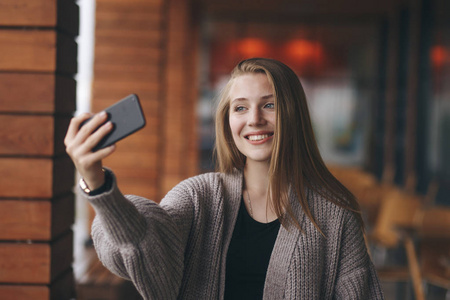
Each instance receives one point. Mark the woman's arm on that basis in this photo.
(134, 237)
(137, 239)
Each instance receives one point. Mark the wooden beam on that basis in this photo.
(28, 13)
(32, 134)
(37, 51)
(126, 55)
(44, 93)
(24, 292)
(61, 288)
(124, 70)
(118, 5)
(138, 37)
(38, 263)
(63, 14)
(41, 178)
(26, 134)
(23, 220)
(35, 220)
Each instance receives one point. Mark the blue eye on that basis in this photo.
(239, 108)
(270, 105)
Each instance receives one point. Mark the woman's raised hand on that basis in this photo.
(80, 142)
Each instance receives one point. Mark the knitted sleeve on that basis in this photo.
(138, 240)
(356, 276)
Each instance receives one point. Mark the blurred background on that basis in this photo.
(374, 73)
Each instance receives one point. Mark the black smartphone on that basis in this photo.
(126, 116)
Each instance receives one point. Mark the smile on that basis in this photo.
(258, 137)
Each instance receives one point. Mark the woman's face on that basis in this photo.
(252, 116)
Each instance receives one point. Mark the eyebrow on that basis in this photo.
(265, 97)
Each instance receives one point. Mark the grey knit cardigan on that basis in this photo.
(178, 249)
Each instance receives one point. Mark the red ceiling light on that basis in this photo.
(302, 51)
(252, 47)
(438, 55)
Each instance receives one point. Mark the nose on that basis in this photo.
(256, 117)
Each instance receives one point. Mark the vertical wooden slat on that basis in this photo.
(148, 48)
(129, 54)
(179, 120)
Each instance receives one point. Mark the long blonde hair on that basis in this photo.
(295, 162)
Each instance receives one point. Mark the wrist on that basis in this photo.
(89, 185)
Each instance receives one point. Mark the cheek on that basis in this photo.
(234, 126)
(272, 119)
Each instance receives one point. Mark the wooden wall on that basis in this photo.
(37, 97)
(148, 47)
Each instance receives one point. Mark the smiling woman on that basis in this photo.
(272, 223)
(265, 94)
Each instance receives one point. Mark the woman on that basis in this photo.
(273, 223)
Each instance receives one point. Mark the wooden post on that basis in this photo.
(37, 97)
(179, 150)
(129, 56)
(149, 48)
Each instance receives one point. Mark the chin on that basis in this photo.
(258, 159)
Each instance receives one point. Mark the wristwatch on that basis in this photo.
(85, 187)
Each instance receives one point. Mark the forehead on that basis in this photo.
(250, 85)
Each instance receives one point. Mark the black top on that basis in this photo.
(248, 256)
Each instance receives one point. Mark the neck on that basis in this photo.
(256, 176)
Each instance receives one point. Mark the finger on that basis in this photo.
(97, 136)
(74, 127)
(105, 152)
(89, 127)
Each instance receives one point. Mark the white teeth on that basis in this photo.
(257, 137)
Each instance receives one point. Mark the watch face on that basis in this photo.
(84, 186)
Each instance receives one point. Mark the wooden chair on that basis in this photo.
(395, 225)
(433, 227)
(364, 186)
